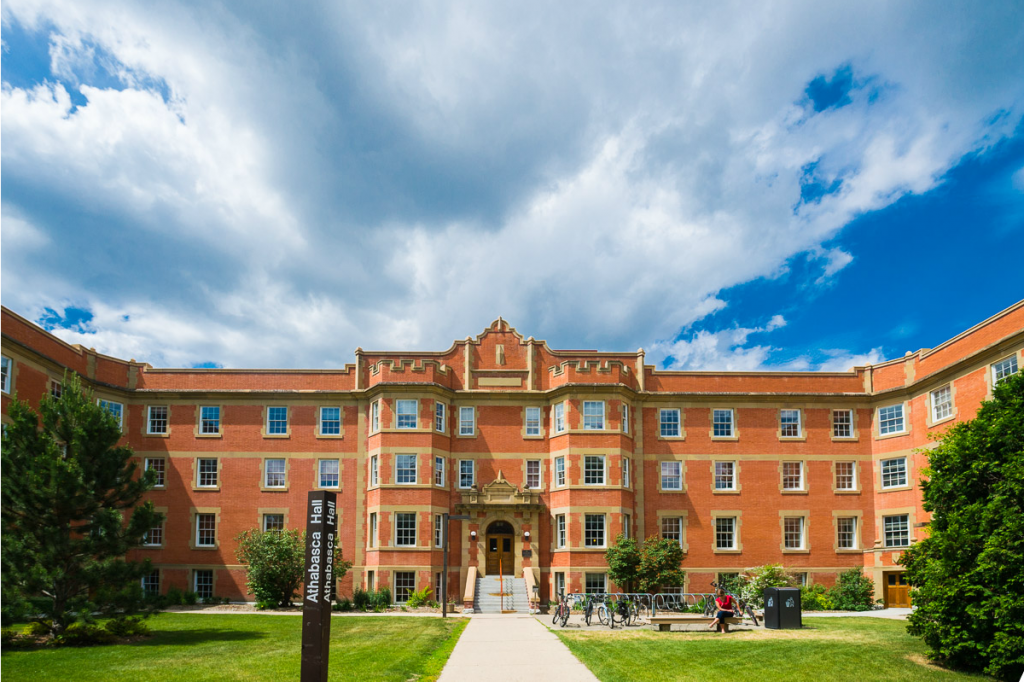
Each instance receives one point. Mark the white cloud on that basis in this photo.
(300, 184)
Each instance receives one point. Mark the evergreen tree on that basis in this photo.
(66, 488)
(969, 572)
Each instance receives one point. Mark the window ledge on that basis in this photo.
(330, 436)
(847, 492)
(725, 439)
(796, 551)
(725, 492)
(942, 421)
(679, 438)
(896, 489)
(845, 439)
(849, 551)
(672, 490)
(275, 489)
(209, 435)
(795, 492)
(793, 439)
(157, 435)
(206, 488)
(727, 551)
(892, 435)
(277, 435)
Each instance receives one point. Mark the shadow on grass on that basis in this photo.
(200, 636)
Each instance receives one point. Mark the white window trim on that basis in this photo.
(415, 529)
(934, 406)
(340, 420)
(803, 534)
(661, 475)
(1009, 358)
(320, 473)
(472, 421)
(903, 419)
(803, 476)
(415, 414)
(906, 473)
(415, 468)
(438, 531)
(799, 423)
(442, 472)
(526, 422)
(735, 534)
(559, 423)
(149, 421)
(199, 544)
(561, 531)
(555, 472)
(540, 475)
(732, 422)
(147, 543)
(604, 415)
(10, 374)
(266, 473)
(120, 417)
(145, 467)
(604, 470)
(625, 419)
(662, 411)
(199, 472)
(604, 532)
(287, 421)
(626, 472)
(852, 424)
(472, 463)
(714, 473)
(441, 411)
(375, 416)
(374, 471)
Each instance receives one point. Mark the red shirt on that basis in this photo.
(724, 602)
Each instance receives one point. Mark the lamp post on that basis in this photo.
(444, 571)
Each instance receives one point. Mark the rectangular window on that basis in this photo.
(467, 421)
(669, 423)
(593, 530)
(942, 403)
(5, 373)
(846, 532)
(593, 470)
(793, 531)
(890, 419)
(330, 421)
(897, 530)
(405, 585)
(725, 476)
(894, 472)
(559, 584)
(56, 389)
(627, 526)
(440, 416)
(625, 418)
(439, 471)
(533, 473)
(406, 410)
(846, 476)
(722, 423)
(157, 422)
(273, 522)
(467, 473)
(206, 530)
(842, 423)
(671, 475)
(154, 537)
(405, 529)
(370, 582)
(207, 473)
(203, 583)
(672, 529)
(559, 472)
(625, 472)
(329, 473)
(438, 534)
(405, 469)
(559, 417)
(593, 415)
(375, 416)
(273, 477)
(158, 465)
(725, 532)
(374, 471)
(560, 531)
(1004, 368)
(373, 529)
(209, 419)
(151, 582)
(116, 409)
(789, 423)
(792, 475)
(532, 421)
(277, 421)
(596, 583)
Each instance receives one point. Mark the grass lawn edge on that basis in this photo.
(435, 663)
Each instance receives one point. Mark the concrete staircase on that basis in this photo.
(489, 601)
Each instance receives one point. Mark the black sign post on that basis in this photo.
(321, 539)
(444, 569)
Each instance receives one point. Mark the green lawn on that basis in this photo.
(197, 647)
(826, 649)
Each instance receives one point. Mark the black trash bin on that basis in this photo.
(782, 608)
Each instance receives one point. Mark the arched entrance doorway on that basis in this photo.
(499, 548)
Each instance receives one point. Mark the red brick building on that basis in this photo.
(551, 453)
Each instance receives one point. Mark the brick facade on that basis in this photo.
(501, 377)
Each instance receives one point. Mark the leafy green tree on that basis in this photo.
(759, 578)
(276, 563)
(968, 574)
(646, 568)
(623, 559)
(67, 486)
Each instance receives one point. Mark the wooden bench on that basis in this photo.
(665, 623)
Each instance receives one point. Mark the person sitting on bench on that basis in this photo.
(727, 608)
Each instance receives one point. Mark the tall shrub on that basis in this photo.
(853, 591)
(761, 577)
(968, 574)
(275, 565)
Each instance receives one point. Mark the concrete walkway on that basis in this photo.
(511, 648)
(891, 614)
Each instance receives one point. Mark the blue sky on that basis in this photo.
(786, 187)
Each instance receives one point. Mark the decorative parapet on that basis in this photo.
(412, 364)
(499, 493)
(584, 366)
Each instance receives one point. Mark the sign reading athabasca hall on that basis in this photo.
(318, 592)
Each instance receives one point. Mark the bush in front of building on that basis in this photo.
(759, 578)
(71, 512)
(853, 591)
(968, 573)
(815, 598)
(275, 565)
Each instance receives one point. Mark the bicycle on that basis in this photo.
(561, 616)
(595, 608)
(620, 610)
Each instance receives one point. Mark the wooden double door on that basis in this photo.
(897, 590)
(499, 549)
